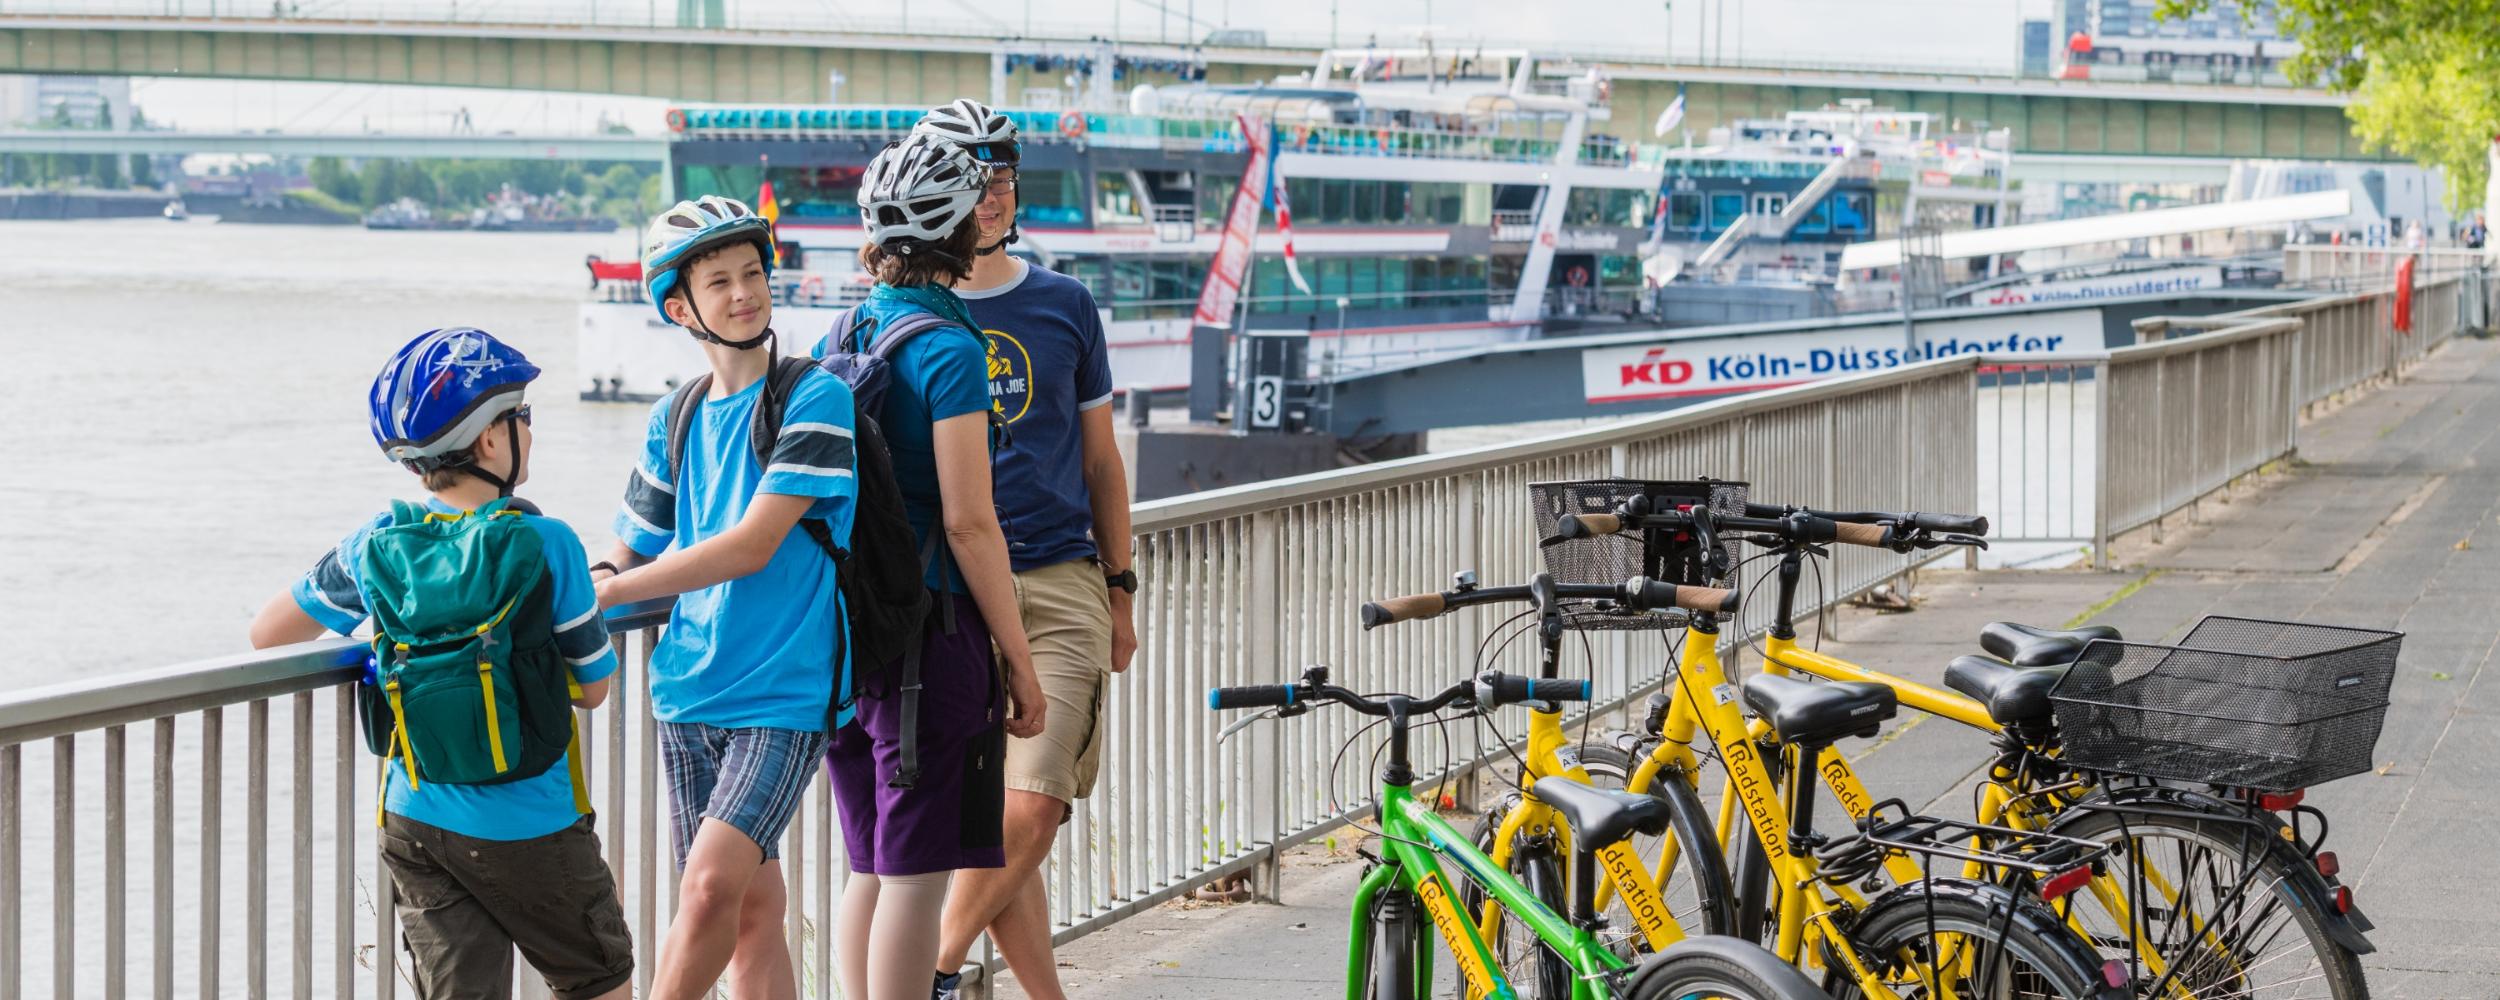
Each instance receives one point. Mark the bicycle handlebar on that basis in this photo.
(1872, 529)
(1488, 690)
(1956, 524)
(1638, 593)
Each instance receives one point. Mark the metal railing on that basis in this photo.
(2346, 267)
(1243, 585)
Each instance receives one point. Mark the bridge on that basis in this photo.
(210, 823)
(371, 146)
(614, 50)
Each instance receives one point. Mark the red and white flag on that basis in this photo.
(1284, 228)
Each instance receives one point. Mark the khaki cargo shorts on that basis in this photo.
(1067, 620)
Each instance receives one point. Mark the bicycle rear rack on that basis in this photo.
(2001, 848)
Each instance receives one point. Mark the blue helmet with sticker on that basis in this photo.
(441, 391)
(687, 231)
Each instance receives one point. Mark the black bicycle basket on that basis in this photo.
(1675, 557)
(2242, 702)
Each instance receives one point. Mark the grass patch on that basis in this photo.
(318, 198)
(2112, 600)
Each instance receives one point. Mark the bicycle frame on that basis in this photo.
(1414, 840)
(1619, 867)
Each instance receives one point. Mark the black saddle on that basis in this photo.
(1819, 714)
(1599, 817)
(2026, 646)
(2013, 694)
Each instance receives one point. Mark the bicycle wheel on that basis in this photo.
(1397, 947)
(2229, 922)
(1955, 938)
(1695, 887)
(1720, 968)
(1534, 970)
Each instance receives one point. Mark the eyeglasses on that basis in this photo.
(1002, 189)
(520, 413)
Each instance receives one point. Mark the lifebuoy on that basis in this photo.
(1072, 124)
(813, 289)
(676, 119)
(1578, 276)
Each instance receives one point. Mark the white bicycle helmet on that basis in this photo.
(989, 136)
(918, 192)
(687, 231)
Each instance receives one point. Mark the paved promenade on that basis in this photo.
(2390, 519)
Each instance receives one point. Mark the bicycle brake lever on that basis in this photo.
(1279, 712)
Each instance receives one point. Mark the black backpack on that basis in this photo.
(880, 579)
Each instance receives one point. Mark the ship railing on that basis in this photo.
(2344, 267)
(1514, 225)
(207, 829)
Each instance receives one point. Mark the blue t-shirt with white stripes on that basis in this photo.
(518, 810)
(759, 651)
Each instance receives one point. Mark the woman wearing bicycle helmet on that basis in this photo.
(917, 201)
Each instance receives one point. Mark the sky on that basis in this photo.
(1856, 32)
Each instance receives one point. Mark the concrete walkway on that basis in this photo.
(2391, 519)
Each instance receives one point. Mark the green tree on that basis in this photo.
(620, 181)
(330, 176)
(2423, 75)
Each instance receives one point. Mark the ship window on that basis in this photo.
(1817, 222)
(1049, 196)
(1850, 215)
(1306, 200)
(1725, 208)
(1684, 210)
(1114, 200)
(1393, 283)
(1215, 200)
(1396, 202)
(1363, 282)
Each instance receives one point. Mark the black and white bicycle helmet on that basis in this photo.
(917, 192)
(989, 136)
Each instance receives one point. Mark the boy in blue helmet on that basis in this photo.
(480, 868)
(755, 652)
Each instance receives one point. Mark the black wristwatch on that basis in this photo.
(1123, 580)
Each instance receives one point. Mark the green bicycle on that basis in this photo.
(1388, 957)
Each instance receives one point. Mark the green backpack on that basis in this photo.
(468, 686)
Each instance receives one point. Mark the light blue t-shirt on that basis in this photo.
(515, 810)
(941, 373)
(763, 650)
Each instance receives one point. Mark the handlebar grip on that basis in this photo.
(1413, 607)
(1959, 524)
(1508, 689)
(1659, 594)
(1869, 535)
(1253, 696)
(1576, 526)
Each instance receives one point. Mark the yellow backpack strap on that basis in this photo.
(573, 750)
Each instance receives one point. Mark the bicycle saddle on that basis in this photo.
(1599, 817)
(2026, 646)
(1819, 714)
(2013, 694)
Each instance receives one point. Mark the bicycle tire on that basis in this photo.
(2029, 953)
(1535, 971)
(1709, 908)
(1397, 945)
(1720, 968)
(2204, 973)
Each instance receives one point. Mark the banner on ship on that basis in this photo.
(2166, 282)
(1717, 365)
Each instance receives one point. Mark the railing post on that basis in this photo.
(65, 866)
(1267, 749)
(2100, 464)
(11, 831)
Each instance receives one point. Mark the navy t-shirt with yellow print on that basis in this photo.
(1048, 363)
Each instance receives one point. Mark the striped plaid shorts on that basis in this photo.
(751, 779)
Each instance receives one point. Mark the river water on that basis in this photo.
(184, 426)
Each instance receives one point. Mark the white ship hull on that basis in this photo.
(628, 353)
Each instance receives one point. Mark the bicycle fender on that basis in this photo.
(2309, 888)
(2030, 911)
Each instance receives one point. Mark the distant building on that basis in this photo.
(2134, 19)
(34, 100)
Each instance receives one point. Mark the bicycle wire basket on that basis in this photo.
(2241, 702)
(1616, 558)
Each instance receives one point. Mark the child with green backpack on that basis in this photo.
(486, 635)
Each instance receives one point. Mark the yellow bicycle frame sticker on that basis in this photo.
(1435, 892)
(1639, 895)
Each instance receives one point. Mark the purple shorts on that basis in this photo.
(950, 819)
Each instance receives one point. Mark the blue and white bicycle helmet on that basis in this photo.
(689, 230)
(440, 392)
(917, 192)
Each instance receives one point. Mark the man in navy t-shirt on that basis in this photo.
(1062, 496)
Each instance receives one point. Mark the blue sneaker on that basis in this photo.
(946, 986)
